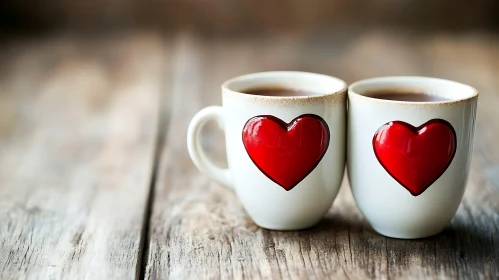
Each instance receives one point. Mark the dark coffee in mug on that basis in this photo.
(405, 95)
(278, 91)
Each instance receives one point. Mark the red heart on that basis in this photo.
(415, 156)
(286, 153)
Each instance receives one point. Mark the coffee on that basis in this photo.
(401, 95)
(278, 91)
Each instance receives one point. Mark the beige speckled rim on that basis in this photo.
(451, 90)
(320, 84)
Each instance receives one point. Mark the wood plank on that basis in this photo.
(249, 16)
(198, 229)
(78, 129)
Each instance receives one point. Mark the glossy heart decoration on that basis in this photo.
(415, 156)
(286, 153)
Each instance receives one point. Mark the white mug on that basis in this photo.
(408, 162)
(286, 154)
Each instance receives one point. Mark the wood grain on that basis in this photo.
(78, 129)
(198, 229)
(83, 118)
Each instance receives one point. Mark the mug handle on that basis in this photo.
(196, 152)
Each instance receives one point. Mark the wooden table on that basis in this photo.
(96, 182)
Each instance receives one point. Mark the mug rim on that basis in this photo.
(402, 79)
(226, 86)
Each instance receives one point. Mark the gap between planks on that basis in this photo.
(163, 124)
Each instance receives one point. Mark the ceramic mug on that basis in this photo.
(286, 154)
(408, 162)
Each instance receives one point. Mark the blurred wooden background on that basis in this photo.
(239, 17)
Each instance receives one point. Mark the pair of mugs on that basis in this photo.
(407, 162)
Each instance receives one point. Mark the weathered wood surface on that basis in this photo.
(81, 122)
(198, 229)
(78, 132)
